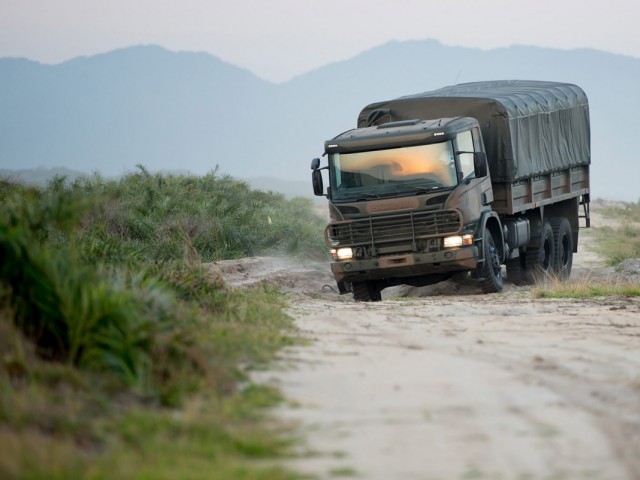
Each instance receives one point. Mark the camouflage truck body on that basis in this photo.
(463, 179)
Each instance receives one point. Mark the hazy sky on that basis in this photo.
(278, 39)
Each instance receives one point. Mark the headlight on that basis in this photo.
(344, 254)
(450, 242)
(458, 241)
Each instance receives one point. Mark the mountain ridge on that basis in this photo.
(192, 111)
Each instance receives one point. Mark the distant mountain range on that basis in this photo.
(191, 111)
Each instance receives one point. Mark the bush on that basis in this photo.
(151, 215)
(106, 313)
(107, 275)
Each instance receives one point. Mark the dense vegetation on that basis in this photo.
(121, 356)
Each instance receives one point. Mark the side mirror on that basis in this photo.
(480, 164)
(316, 180)
(315, 164)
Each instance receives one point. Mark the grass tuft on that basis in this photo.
(585, 288)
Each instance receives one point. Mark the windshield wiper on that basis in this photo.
(427, 189)
(423, 189)
(358, 196)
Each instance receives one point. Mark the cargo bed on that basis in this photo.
(515, 197)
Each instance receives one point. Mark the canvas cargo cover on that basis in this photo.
(530, 128)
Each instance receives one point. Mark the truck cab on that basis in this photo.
(405, 201)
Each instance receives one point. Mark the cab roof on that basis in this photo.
(402, 133)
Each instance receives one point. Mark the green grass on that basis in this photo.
(120, 356)
(342, 472)
(149, 217)
(616, 244)
(586, 289)
(624, 210)
(623, 241)
(74, 430)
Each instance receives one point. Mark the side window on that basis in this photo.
(464, 142)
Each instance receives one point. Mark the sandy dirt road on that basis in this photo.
(454, 384)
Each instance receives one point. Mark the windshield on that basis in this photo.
(393, 171)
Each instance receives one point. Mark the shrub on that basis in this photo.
(106, 275)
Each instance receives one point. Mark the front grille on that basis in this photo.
(386, 229)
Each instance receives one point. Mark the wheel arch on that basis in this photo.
(491, 221)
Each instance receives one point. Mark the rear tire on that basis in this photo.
(563, 240)
(492, 280)
(540, 261)
(366, 292)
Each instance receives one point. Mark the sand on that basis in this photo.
(444, 382)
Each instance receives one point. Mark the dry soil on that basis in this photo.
(444, 382)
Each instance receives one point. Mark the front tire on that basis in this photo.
(540, 261)
(492, 279)
(366, 292)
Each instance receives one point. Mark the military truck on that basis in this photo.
(466, 178)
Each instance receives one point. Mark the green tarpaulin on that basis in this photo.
(530, 128)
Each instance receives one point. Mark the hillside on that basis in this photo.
(192, 111)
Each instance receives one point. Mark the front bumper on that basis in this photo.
(406, 265)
